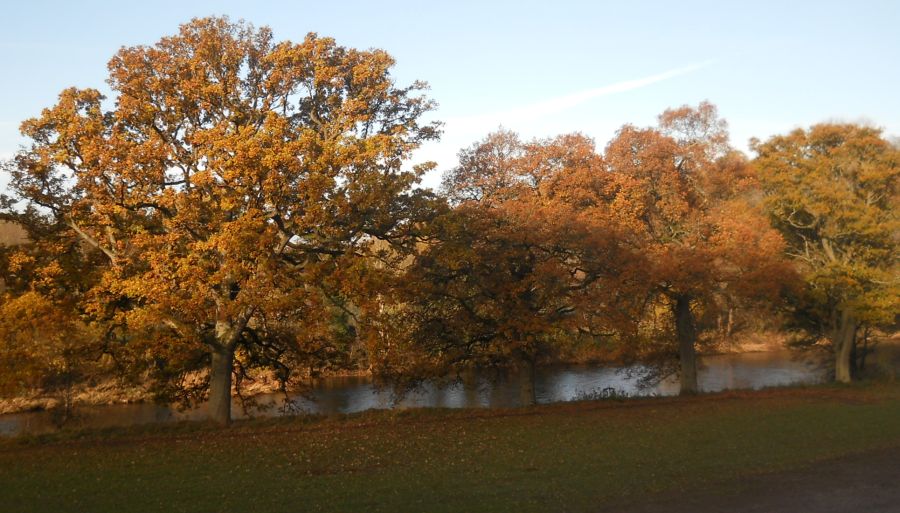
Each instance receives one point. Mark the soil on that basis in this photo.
(865, 482)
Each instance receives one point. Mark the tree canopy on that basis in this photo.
(527, 259)
(241, 203)
(236, 186)
(549, 241)
(832, 190)
(682, 190)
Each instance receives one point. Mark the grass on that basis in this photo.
(11, 234)
(565, 457)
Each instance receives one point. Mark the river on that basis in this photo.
(552, 384)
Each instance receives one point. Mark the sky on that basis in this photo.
(538, 68)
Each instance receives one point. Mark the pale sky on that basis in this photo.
(539, 68)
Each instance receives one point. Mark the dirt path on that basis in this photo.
(862, 483)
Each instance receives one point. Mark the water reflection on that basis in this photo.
(553, 384)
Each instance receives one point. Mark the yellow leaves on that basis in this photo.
(38, 339)
(49, 273)
(19, 261)
(239, 182)
(832, 190)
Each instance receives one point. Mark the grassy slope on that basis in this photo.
(11, 234)
(567, 457)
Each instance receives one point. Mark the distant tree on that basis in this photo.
(527, 260)
(44, 348)
(682, 191)
(47, 345)
(832, 190)
(236, 188)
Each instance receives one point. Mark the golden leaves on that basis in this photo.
(235, 183)
(833, 192)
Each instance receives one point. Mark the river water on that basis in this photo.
(552, 384)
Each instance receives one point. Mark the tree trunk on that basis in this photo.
(842, 340)
(470, 383)
(863, 352)
(527, 395)
(220, 384)
(687, 336)
(729, 327)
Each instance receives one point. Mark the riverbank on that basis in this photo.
(486, 389)
(883, 364)
(562, 457)
(116, 392)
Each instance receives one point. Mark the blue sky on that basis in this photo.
(541, 68)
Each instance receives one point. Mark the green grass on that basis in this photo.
(567, 457)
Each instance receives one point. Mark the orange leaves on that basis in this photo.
(530, 256)
(680, 188)
(19, 261)
(235, 185)
(550, 240)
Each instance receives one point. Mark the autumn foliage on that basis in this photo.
(237, 187)
(527, 259)
(243, 204)
(832, 191)
(550, 242)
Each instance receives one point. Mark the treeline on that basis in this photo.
(244, 205)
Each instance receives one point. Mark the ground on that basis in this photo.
(789, 448)
(864, 482)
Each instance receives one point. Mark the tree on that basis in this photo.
(44, 347)
(236, 187)
(682, 191)
(832, 191)
(47, 345)
(527, 260)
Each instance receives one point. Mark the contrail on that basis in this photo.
(462, 131)
(561, 103)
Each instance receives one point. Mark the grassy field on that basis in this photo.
(565, 457)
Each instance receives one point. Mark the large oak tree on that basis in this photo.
(236, 187)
